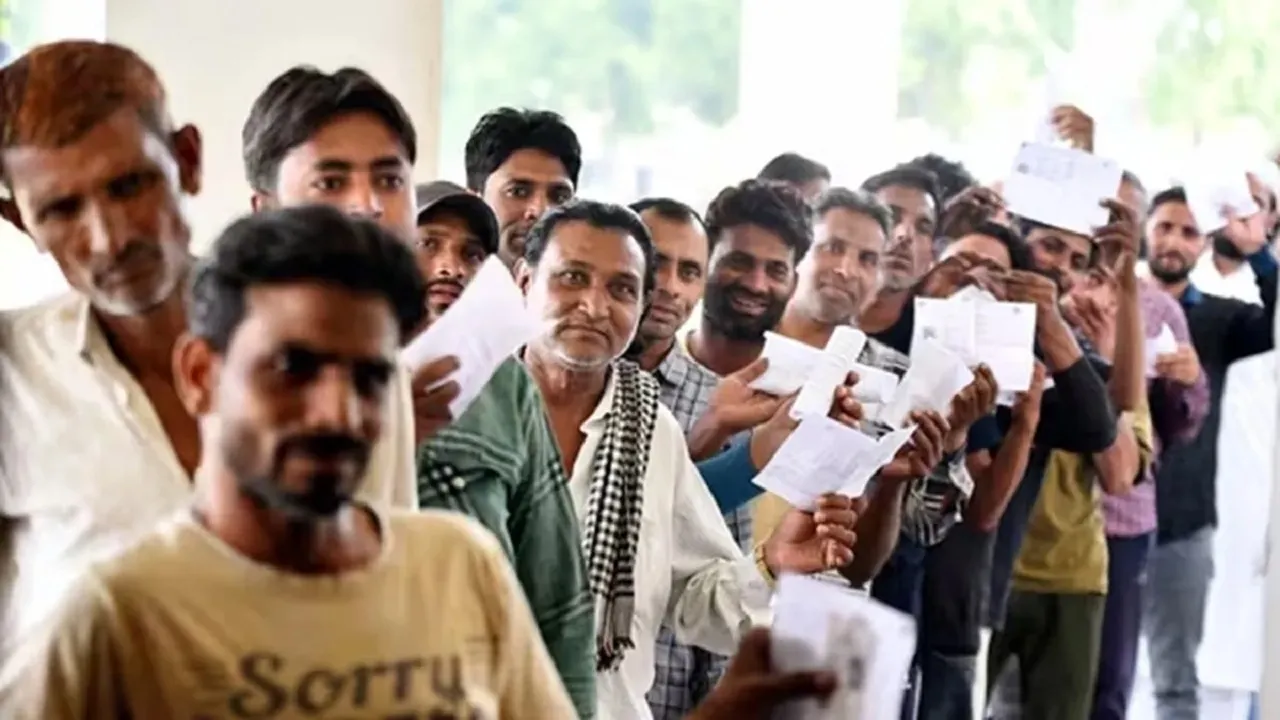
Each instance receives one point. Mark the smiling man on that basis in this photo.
(657, 550)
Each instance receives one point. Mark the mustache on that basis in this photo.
(446, 283)
(136, 251)
(324, 446)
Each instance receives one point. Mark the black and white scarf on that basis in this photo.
(611, 535)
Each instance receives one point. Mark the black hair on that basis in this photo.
(774, 206)
(668, 208)
(952, 177)
(907, 175)
(1174, 194)
(604, 216)
(502, 132)
(1026, 226)
(858, 201)
(312, 243)
(794, 168)
(302, 100)
(1014, 244)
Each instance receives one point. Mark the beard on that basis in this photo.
(722, 316)
(1224, 248)
(342, 460)
(1169, 274)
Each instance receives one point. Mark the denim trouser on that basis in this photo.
(941, 686)
(1178, 575)
(1121, 626)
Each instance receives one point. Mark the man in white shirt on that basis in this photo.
(95, 445)
(656, 546)
(278, 594)
(1244, 480)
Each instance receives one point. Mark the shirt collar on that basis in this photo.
(90, 342)
(605, 406)
(1191, 296)
(674, 369)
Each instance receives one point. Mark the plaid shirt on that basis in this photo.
(683, 675)
(936, 502)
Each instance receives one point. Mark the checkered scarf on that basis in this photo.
(612, 529)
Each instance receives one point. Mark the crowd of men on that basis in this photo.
(223, 495)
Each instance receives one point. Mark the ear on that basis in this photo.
(524, 276)
(188, 148)
(195, 373)
(260, 201)
(9, 209)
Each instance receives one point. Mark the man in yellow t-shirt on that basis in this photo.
(1054, 618)
(278, 594)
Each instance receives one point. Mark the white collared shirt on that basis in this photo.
(86, 467)
(689, 571)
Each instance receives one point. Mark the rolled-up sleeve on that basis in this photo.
(716, 591)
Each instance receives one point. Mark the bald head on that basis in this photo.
(55, 93)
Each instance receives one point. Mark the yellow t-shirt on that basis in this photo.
(181, 626)
(1065, 547)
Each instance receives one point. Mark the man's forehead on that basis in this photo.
(604, 250)
(117, 144)
(900, 193)
(536, 166)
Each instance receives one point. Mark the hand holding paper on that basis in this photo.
(484, 327)
(1181, 366)
(824, 456)
(820, 626)
(791, 362)
(923, 453)
(1061, 187)
(1215, 194)
(829, 372)
(935, 376)
(1000, 335)
(752, 687)
(1162, 344)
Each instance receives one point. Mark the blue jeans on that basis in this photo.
(1178, 576)
(1121, 625)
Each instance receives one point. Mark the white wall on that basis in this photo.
(215, 56)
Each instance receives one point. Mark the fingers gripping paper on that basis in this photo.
(819, 625)
(823, 456)
(791, 362)
(482, 329)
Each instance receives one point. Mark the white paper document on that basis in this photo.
(791, 362)
(482, 329)
(823, 456)
(829, 372)
(972, 293)
(1209, 193)
(936, 375)
(874, 385)
(1161, 344)
(818, 625)
(1061, 186)
(1000, 335)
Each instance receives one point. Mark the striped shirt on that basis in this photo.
(499, 463)
(685, 674)
(933, 503)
